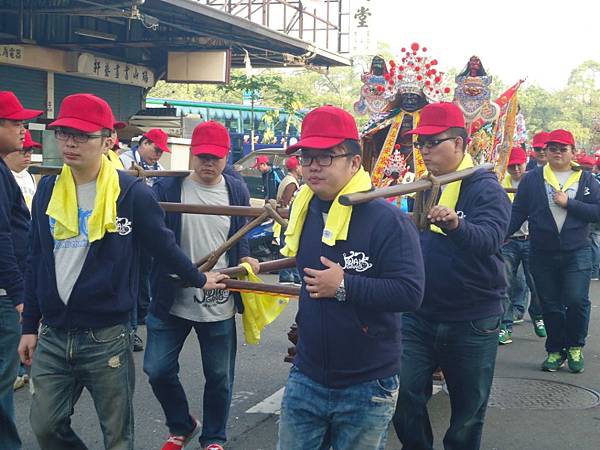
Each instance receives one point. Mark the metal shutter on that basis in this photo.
(124, 100)
(28, 85)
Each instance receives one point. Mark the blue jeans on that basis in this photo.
(595, 237)
(466, 352)
(65, 362)
(516, 252)
(10, 332)
(563, 283)
(519, 293)
(316, 417)
(218, 346)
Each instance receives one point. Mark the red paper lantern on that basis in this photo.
(414, 46)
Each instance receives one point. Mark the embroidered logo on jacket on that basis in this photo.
(123, 226)
(356, 261)
(586, 191)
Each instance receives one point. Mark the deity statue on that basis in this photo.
(472, 93)
(374, 98)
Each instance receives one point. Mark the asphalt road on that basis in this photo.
(261, 373)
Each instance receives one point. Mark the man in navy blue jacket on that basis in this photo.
(560, 203)
(538, 143)
(88, 227)
(174, 311)
(14, 226)
(362, 266)
(457, 326)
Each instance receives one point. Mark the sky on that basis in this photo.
(542, 40)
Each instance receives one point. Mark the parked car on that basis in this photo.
(253, 177)
(260, 238)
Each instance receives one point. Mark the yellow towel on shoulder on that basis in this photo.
(550, 178)
(115, 160)
(506, 183)
(338, 219)
(450, 193)
(259, 309)
(63, 205)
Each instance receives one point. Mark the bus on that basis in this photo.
(236, 118)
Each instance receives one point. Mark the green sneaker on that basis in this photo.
(505, 336)
(539, 327)
(554, 361)
(575, 358)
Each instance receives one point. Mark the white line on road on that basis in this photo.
(270, 405)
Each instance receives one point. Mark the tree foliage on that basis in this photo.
(576, 107)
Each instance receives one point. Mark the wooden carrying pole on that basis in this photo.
(55, 170)
(245, 211)
(408, 188)
(265, 267)
(237, 285)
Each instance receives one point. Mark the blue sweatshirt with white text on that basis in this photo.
(345, 343)
(464, 271)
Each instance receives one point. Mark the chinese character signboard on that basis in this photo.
(111, 70)
(11, 54)
(362, 23)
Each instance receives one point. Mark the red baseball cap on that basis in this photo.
(119, 125)
(260, 160)
(324, 128)
(159, 138)
(586, 160)
(30, 143)
(437, 118)
(539, 139)
(517, 156)
(210, 138)
(84, 112)
(11, 108)
(561, 137)
(291, 163)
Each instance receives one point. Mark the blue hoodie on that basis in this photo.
(531, 203)
(464, 272)
(14, 227)
(168, 189)
(107, 287)
(346, 343)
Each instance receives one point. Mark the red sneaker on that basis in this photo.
(213, 447)
(179, 442)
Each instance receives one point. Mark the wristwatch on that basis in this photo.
(340, 292)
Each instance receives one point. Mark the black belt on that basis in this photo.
(520, 238)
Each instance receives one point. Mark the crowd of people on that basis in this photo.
(88, 254)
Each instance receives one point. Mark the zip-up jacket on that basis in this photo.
(107, 287)
(464, 271)
(531, 203)
(168, 189)
(14, 228)
(345, 343)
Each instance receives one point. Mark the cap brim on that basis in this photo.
(119, 125)
(32, 144)
(164, 148)
(76, 124)
(314, 142)
(558, 141)
(25, 114)
(428, 130)
(208, 149)
(512, 163)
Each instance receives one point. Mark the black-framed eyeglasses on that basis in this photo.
(431, 143)
(25, 151)
(78, 137)
(322, 160)
(558, 148)
(539, 149)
